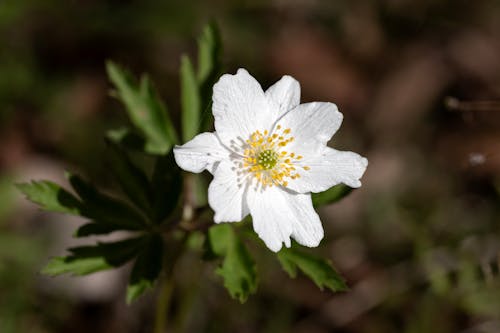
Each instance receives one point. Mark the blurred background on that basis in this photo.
(419, 85)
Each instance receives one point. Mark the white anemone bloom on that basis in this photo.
(267, 155)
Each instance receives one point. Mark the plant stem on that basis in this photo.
(165, 296)
(163, 304)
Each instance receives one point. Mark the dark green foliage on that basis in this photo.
(94, 228)
(147, 267)
(166, 187)
(89, 259)
(105, 208)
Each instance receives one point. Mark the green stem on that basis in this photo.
(163, 304)
(165, 296)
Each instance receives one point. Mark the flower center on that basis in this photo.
(267, 160)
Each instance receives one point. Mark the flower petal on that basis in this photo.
(307, 228)
(240, 107)
(201, 153)
(284, 95)
(329, 168)
(312, 126)
(278, 215)
(226, 195)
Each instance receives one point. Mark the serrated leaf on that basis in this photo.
(317, 269)
(131, 179)
(145, 109)
(238, 268)
(104, 208)
(50, 197)
(146, 269)
(89, 259)
(190, 100)
(330, 196)
(167, 187)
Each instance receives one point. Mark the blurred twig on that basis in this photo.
(454, 104)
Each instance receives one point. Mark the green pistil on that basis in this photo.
(267, 159)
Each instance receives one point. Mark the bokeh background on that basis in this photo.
(419, 85)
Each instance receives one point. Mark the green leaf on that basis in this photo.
(94, 228)
(317, 269)
(104, 208)
(145, 109)
(146, 269)
(190, 100)
(75, 266)
(238, 268)
(167, 187)
(51, 197)
(114, 253)
(209, 49)
(209, 68)
(131, 179)
(330, 196)
(89, 259)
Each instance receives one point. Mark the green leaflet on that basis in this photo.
(190, 100)
(317, 269)
(209, 50)
(145, 109)
(89, 259)
(75, 266)
(196, 87)
(209, 69)
(50, 197)
(238, 268)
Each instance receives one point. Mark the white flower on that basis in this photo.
(267, 154)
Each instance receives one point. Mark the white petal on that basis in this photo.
(307, 228)
(270, 215)
(226, 195)
(312, 126)
(278, 215)
(329, 168)
(284, 95)
(201, 153)
(240, 107)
